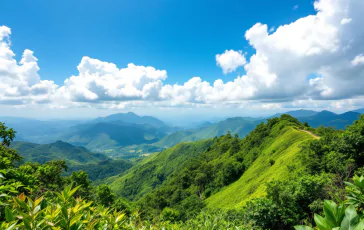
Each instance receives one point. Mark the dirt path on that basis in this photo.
(312, 134)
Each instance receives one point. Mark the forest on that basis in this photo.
(283, 175)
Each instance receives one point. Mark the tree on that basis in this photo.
(104, 195)
(6, 134)
(80, 178)
(7, 156)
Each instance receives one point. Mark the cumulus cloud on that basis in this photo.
(230, 60)
(103, 81)
(316, 60)
(20, 82)
(317, 44)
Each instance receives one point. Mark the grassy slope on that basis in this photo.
(152, 171)
(283, 150)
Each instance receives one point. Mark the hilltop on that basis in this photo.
(58, 150)
(282, 150)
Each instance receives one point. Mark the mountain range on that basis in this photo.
(330, 119)
(129, 135)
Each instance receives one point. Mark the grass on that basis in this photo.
(283, 151)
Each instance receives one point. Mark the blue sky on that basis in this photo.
(217, 58)
(181, 37)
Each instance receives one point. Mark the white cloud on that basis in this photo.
(327, 45)
(230, 60)
(102, 81)
(345, 21)
(358, 60)
(20, 82)
(295, 7)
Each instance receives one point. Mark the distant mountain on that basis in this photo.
(58, 150)
(361, 111)
(330, 119)
(101, 136)
(236, 125)
(131, 118)
(38, 131)
(298, 113)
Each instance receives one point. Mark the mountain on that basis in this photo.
(236, 125)
(152, 171)
(58, 150)
(102, 136)
(330, 119)
(361, 111)
(298, 113)
(131, 118)
(38, 131)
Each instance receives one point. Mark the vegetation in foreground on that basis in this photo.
(36, 196)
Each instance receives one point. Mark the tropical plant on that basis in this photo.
(355, 192)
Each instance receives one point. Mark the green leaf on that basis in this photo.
(21, 203)
(359, 226)
(9, 215)
(27, 224)
(302, 227)
(351, 219)
(74, 190)
(64, 212)
(330, 210)
(12, 226)
(321, 222)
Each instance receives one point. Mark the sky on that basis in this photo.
(68, 59)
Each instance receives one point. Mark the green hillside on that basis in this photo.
(101, 170)
(283, 151)
(267, 153)
(58, 150)
(154, 170)
(97, 166)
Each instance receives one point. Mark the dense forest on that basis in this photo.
(283, 175)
